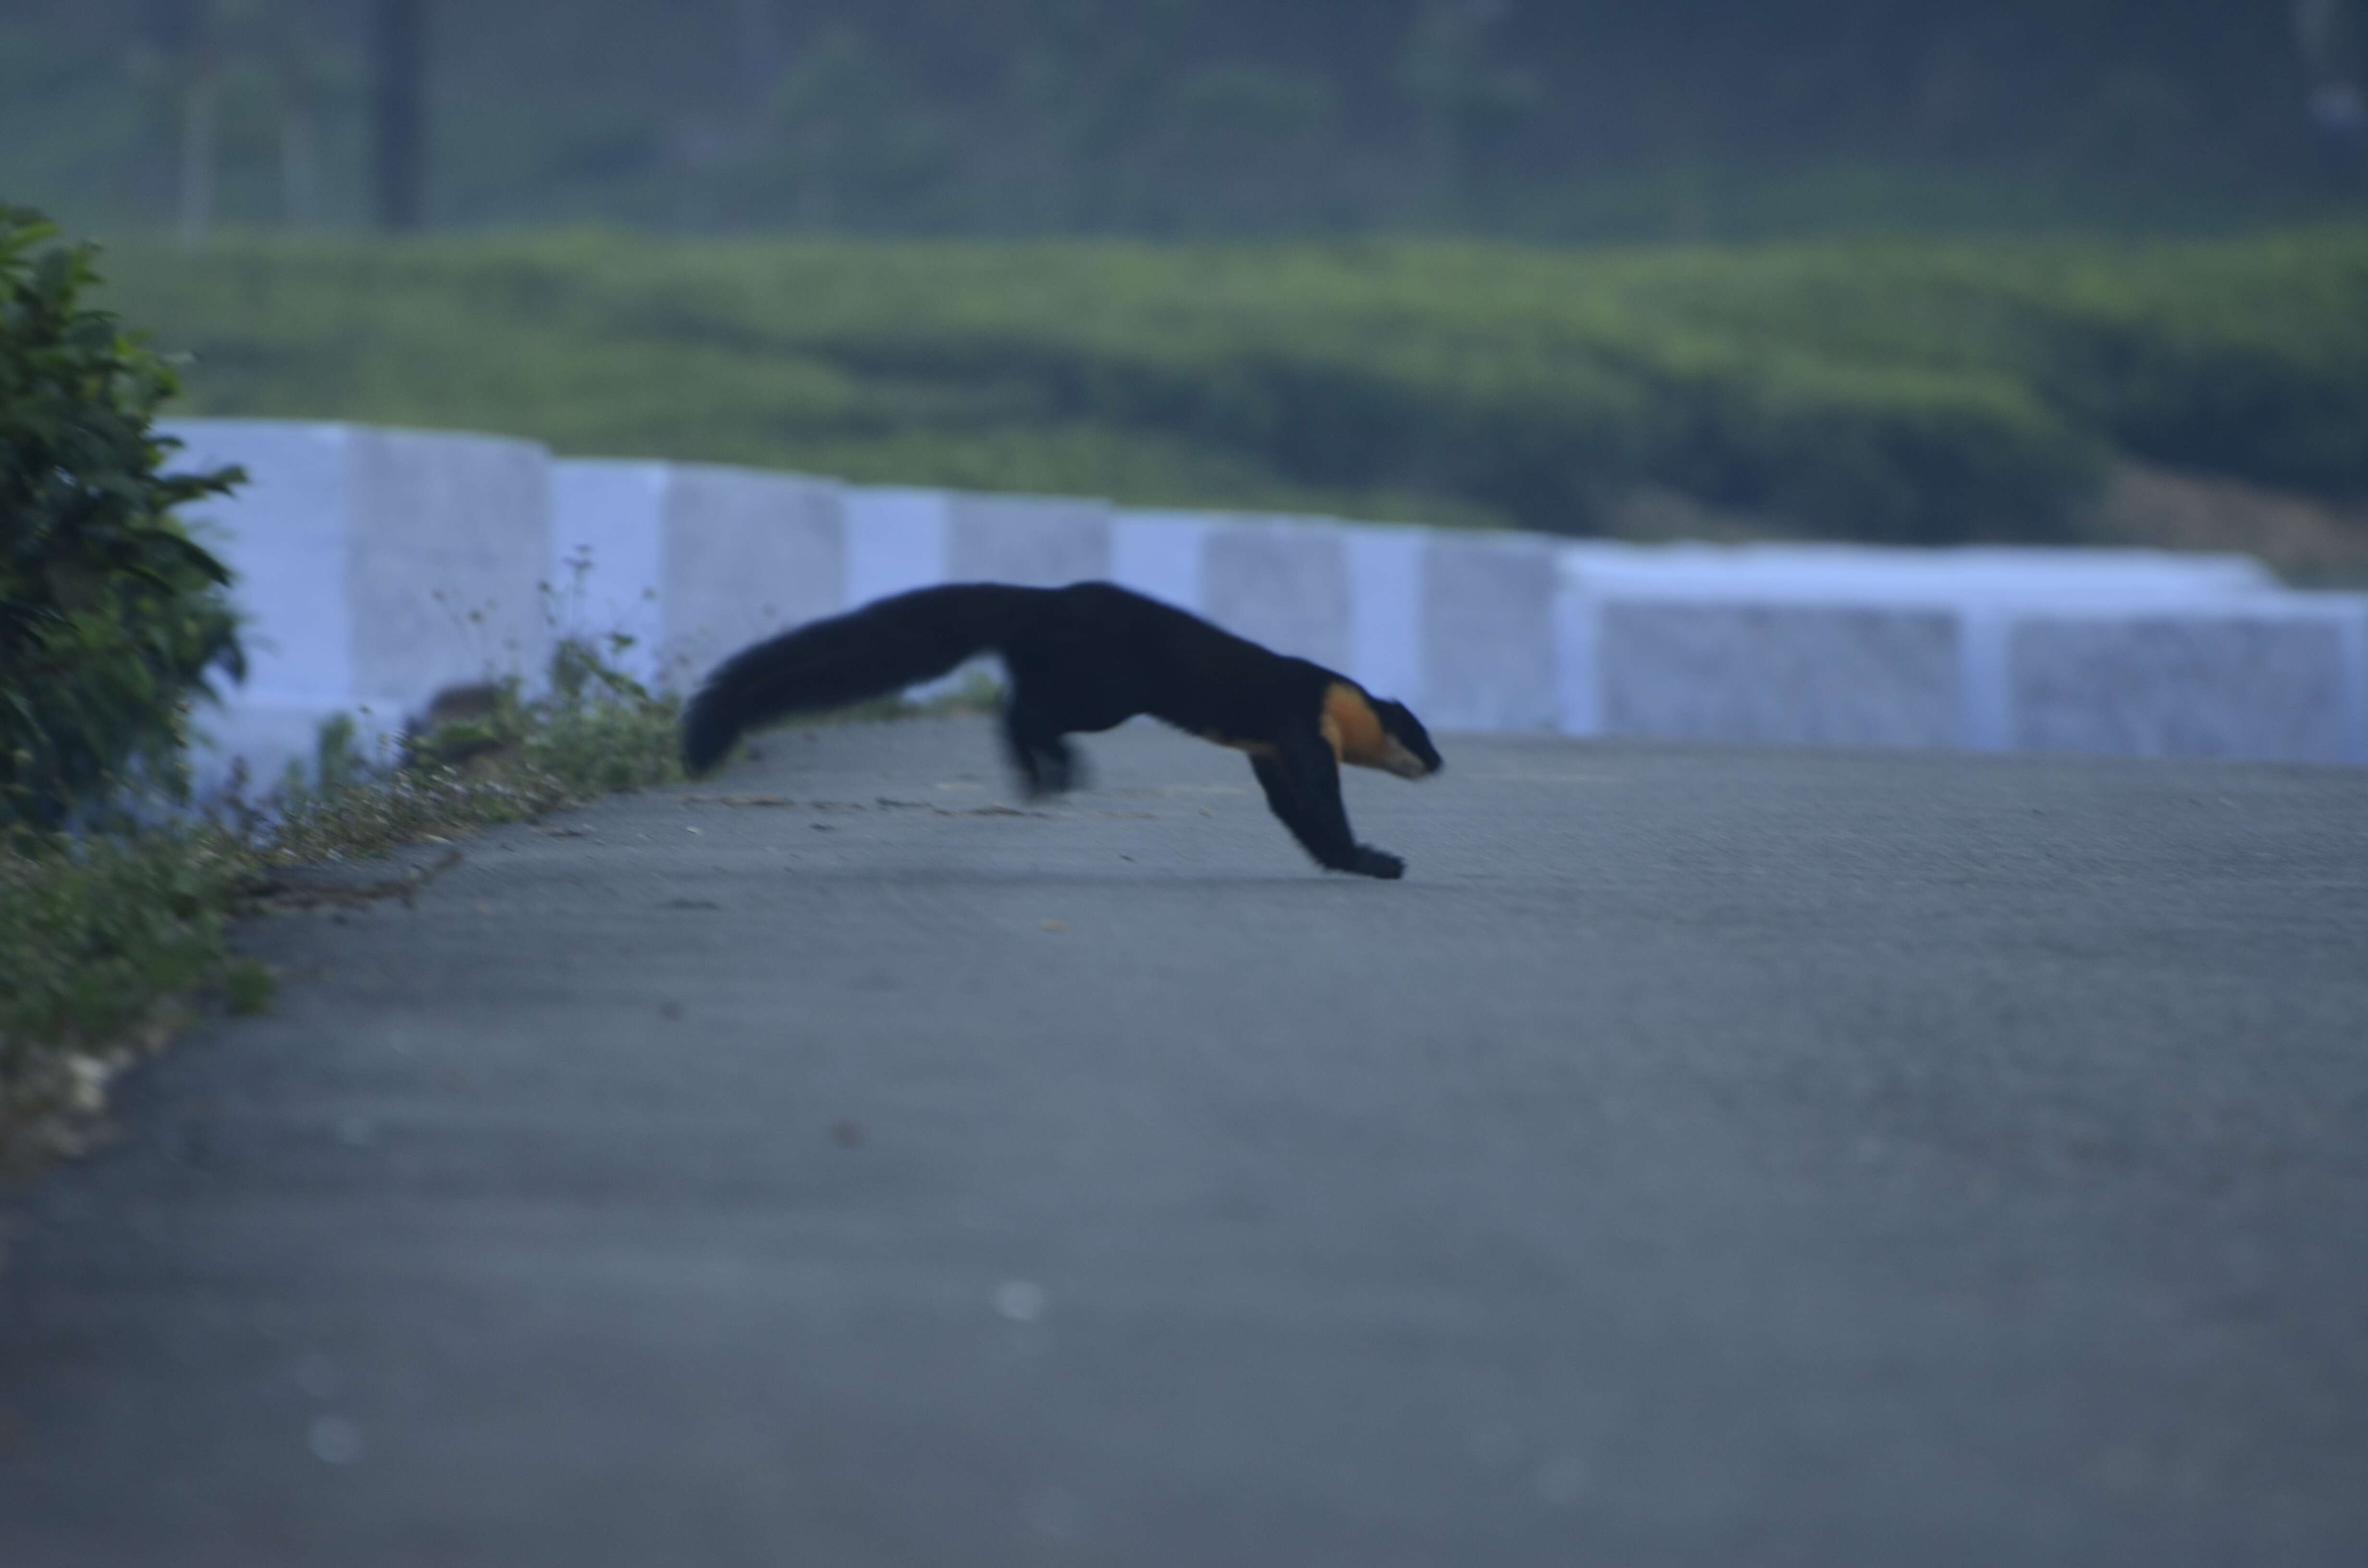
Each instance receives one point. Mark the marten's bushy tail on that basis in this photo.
(881, 648)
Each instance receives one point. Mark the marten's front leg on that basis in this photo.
(1303, 786)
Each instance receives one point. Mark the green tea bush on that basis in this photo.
(2251, 361)
(111, 616)
(1912, 392)
(2246, 357)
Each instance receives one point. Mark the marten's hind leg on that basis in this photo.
(1038, 750)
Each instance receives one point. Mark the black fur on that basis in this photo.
(1082, 658)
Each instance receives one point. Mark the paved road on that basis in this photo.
(1701, 1158)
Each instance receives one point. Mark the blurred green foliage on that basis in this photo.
(111, 616)
(1907, 390)
(1682, 120)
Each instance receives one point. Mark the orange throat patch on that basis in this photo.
(1354, 731)
(1351, 727)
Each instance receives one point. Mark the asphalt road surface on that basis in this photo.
(1703, 1157)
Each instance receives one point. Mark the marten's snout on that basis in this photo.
(1406, 750)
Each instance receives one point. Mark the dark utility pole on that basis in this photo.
(399, 111)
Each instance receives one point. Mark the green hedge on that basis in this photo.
(110, 616)
(1913, 391)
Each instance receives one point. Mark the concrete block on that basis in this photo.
(1160, 554)
(745, 554)
(1980, 588)
(1282, 584)
(1981, 675)
(1488, 633)
(1785, 673)
(1387, 648)
(1034, 541)
(608, 570)
(1858, 574)
(285, 534)
(375, 567)
(2280, 679)
(1579, 656)
(896, 541)
(692, 560)
(449, 555)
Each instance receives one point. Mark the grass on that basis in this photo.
(111, 942)
(107, 946)
(1916, 390)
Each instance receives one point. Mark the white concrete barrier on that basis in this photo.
(1792, 675)
(747, 554)
(1860, 573)
(1488, 632)
(1388, 637)
(375, 567)
(2272, 677)
(1158, 553)
(1278, 583)
(895, 541)
(693, 560)
(1043, 541)
(1984, 651)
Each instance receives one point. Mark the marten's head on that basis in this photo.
(1371, 732)
(1408, 751)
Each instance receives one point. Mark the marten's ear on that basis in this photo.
(1420, 758)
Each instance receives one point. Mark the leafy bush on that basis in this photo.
(111, 615)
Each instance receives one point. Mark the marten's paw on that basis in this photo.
(1373, 863)
(1053, 770)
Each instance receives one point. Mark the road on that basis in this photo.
(1703, 1157)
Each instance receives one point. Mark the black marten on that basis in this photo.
(1084, 658)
